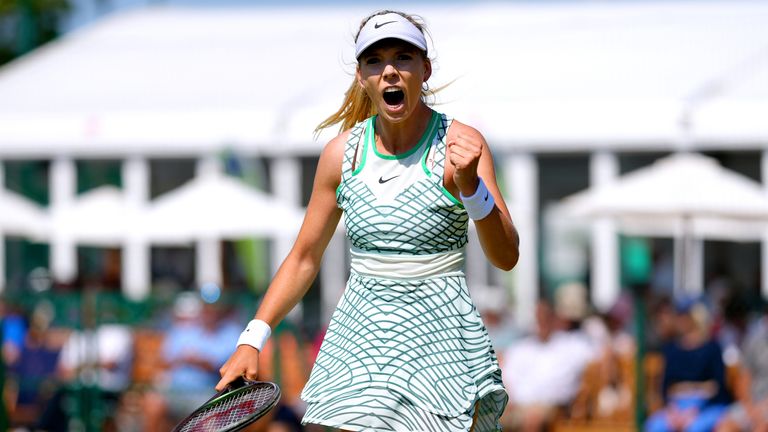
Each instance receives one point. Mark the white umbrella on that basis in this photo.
(19, 215)
(684, 186)
(217, 206)
(686, 195)
(99, 217)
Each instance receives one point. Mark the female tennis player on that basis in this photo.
(405, 350)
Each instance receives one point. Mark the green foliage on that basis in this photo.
(10, 7)
(27, 24)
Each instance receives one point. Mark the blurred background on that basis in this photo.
(156, 157)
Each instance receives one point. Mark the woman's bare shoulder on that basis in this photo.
(457, 127)
(334, 148)
(330, 163)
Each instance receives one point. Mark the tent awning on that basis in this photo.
(190, 80)
(215, 206)
(20, 216)
(683, 192)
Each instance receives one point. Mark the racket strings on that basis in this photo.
(232, 410)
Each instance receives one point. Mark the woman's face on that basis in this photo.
(391, 72)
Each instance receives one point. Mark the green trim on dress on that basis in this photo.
(428, 135)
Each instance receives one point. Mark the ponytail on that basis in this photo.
(356, 107)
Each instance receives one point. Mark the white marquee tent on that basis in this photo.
(218, 206)
(532, 76)
(687, 196)
(547, 74)
(99, 217)
(21, 216)
(683, 185)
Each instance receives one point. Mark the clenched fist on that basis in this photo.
(464, 154)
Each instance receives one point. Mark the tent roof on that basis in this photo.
(215, 205)
(22, 216)
(681, 188)
(170, 80)
(209, 206)
(99, 217)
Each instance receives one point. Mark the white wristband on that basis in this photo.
(480, 204)
(255, 334)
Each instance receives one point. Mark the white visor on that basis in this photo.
(391, 25)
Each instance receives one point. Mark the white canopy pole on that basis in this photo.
(693, 266)
(604, 168)
(286, 186)
(63, 248)
(208, 265)
(208, 250)
(135, 271)
(475, 262)
(2, 235)
(764, 257)
(520, 174)
(689, 261)
(333, 273)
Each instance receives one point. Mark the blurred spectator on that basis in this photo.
(14, 328)
(693, 384)
(661, 323)
(492, 303)
(94, 367)
(662, 279)
(571, 305)
(284, 361)
(619, 320)
(196, 345)
(732, 325)
(316, 343)
(543, 372)
(32, 379)
(616, 350)
(101, 356)
(750, 412)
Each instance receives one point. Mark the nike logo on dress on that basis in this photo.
(382, 180)
(377, 25)
(486, 197)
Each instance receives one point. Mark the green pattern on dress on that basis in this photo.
(422, 220)
(405, 355)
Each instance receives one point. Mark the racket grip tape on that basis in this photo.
(255, 334)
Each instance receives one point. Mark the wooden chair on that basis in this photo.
(732, 376)
(653, 369)
(586, 413)
(147, 356)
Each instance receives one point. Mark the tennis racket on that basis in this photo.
(241, 403)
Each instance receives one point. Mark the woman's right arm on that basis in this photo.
(300, 267)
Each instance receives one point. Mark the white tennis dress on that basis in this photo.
(406, 349)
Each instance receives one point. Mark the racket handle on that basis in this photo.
(234, 385)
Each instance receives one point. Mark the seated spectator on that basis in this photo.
(33, 377)
(196, 345)
(662, 323)
(542, 372)
(96, 360)
(750, 412)
(493, 305)
(14, 328)
(283, 361)
(616, 350)
(733, 324)
(571, 305)
(693, 383)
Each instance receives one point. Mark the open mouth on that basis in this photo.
(393, 96)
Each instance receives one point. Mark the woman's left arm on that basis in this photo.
(470, 159)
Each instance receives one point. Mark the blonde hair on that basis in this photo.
(357, 106)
